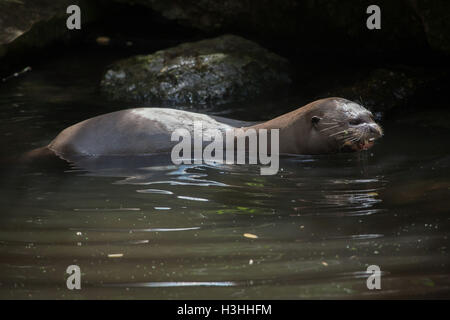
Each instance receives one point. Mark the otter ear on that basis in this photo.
(315, 120)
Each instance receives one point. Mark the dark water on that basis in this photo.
(158, 231)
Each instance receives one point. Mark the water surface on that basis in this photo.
(157, 231)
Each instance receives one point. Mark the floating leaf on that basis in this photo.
(253, 184)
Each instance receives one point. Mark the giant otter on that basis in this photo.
(324, 126)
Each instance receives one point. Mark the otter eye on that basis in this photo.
(355, 122)
(315, 119)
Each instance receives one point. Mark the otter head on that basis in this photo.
(340, 125)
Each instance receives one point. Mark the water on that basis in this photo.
(157, 231)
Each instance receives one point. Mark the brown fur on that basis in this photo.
(126, 133)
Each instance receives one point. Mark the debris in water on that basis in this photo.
(16, 74)
(103, 41)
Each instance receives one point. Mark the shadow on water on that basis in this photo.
(144, 228)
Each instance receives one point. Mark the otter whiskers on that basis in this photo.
(329, 128)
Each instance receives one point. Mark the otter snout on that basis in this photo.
(372, 132)
(375, 130)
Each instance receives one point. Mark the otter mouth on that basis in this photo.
(358, 145)
(365, 144)
(356, 137)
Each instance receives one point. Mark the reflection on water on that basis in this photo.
(143, 228)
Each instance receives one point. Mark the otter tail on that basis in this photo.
(39, 154)
(41, 157)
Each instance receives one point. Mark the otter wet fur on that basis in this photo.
(324, 126)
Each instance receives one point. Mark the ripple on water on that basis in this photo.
(315, 226)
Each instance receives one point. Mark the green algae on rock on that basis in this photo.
(212, 71)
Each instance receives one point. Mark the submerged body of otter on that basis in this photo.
(323, 126)
(137, 131)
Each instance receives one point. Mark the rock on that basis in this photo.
(17, 17)
(213, 71)
(435, 17)
(27, 25)
(384, 90)
(317, 25)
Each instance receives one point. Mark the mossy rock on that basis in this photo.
(213, 71)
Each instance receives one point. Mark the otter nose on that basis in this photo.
(375, 129)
